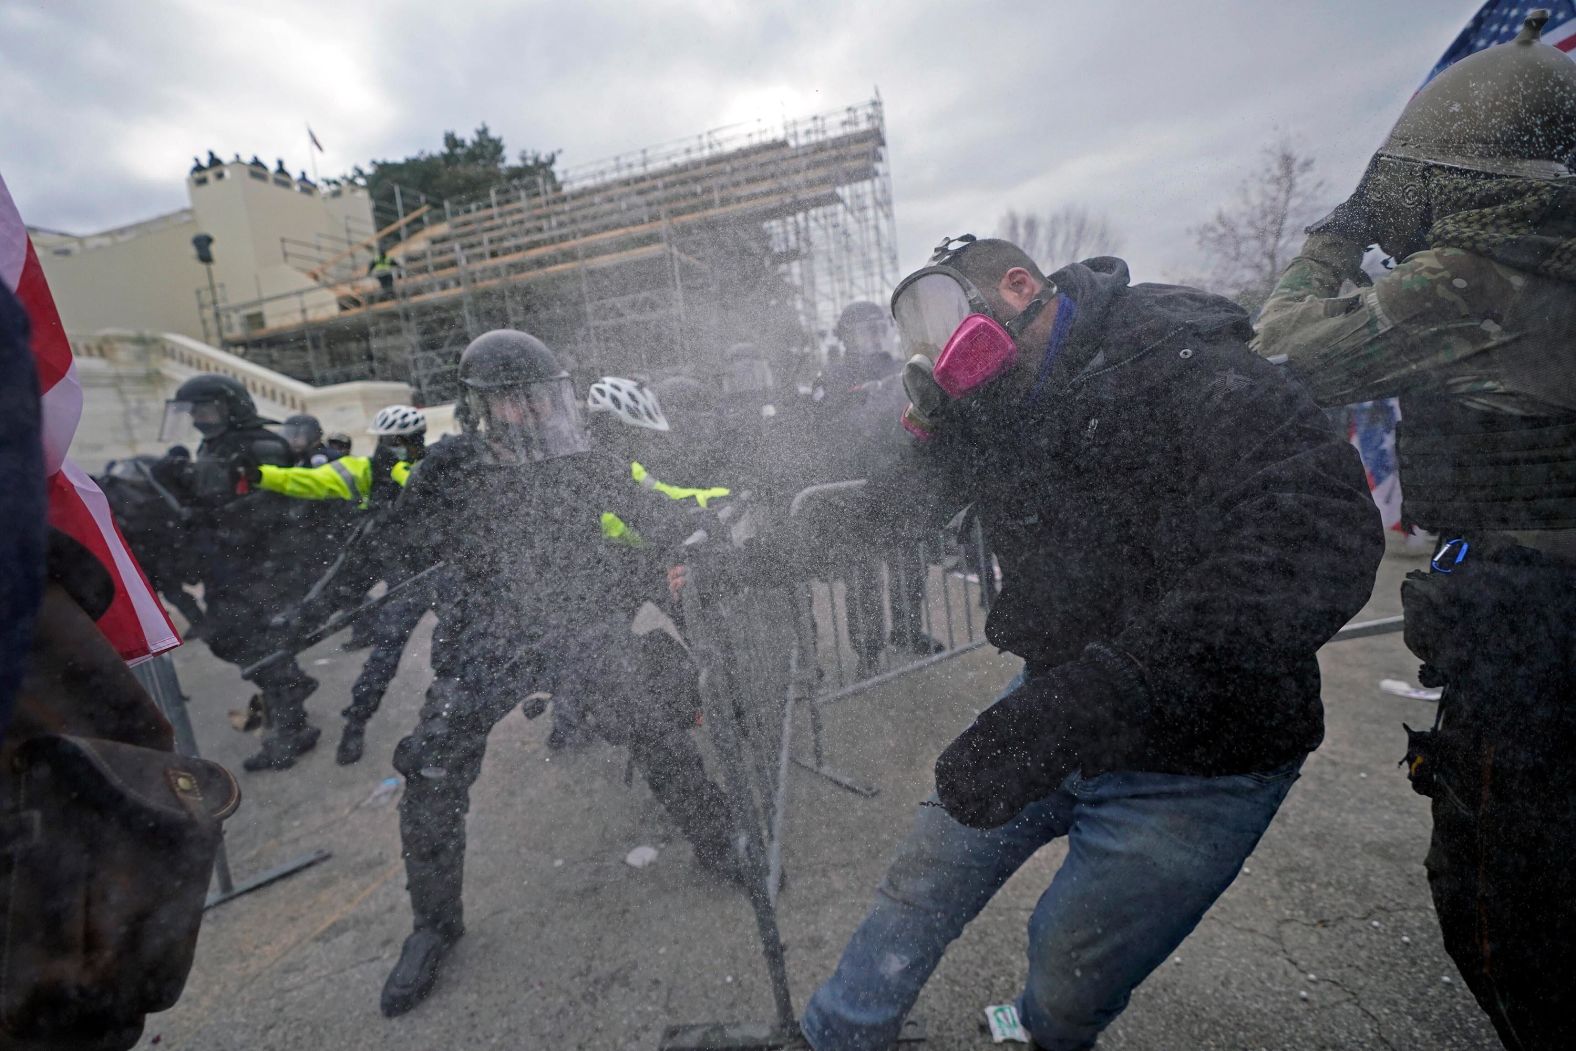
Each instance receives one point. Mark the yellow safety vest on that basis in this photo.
(617, 530)
(347, 478)
(676, 492)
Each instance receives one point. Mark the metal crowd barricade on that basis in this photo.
(883, 609)
(766, 647)
(157, 676)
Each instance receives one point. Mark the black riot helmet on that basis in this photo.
(519, 399)
(303, 432)
(212, 404)
(865, 329)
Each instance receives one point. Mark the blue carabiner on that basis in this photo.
(1444, 552)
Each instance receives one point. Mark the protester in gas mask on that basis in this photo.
(1475, 330)
(1167, 581)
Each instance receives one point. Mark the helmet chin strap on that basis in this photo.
(1026, 316)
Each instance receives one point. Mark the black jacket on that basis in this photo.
(247, 540)
(531, 565)
(1178, 514)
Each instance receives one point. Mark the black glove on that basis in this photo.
(1432, 624)
(245, 469)
(1352, 220)
(384, 488)
(1022, 748)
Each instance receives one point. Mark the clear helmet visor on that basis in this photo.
(185, 421)
(747, 376)
(869, 337)
(928, 311)
(301, 436)
(532, 423)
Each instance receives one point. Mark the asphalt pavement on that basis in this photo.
(1326, 940)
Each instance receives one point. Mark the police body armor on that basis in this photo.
(1465, 471)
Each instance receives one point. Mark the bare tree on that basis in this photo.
(1066, 235)
(1250, 240)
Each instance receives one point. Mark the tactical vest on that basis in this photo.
(1463, 470)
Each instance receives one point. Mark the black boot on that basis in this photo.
(417, 970)
(281, 748)
(288, 736)
(351, 742)
(673, 769)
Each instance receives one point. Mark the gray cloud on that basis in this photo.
(1150, 111)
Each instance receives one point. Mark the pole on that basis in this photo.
(213, 301)
(157, 676)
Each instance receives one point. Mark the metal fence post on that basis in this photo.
(157, 676)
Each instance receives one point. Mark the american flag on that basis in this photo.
(1500, 20)
(135, 622)
(1373, 423)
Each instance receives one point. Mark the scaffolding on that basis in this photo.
(647, 262)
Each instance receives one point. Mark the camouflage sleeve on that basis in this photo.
(1409, 331)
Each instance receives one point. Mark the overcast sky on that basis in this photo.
(1149, 111)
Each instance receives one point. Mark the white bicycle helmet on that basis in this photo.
(629, 400)
(397, 420)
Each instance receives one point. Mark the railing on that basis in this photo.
(341, 406)
(771, 640)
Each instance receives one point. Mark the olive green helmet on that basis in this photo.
(1508, 110)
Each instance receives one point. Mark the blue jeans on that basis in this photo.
(1147, 856)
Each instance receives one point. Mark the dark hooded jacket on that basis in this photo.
(1178, 516)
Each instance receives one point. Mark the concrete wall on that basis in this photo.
(126, 377)
(147, 280)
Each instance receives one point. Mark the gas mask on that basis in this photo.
(956, 346)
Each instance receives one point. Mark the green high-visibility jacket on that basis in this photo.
(347, 478)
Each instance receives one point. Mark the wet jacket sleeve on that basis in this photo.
(1410, 331)
(347, 478)
(1287, 546)
(422, 516)
(660, 523)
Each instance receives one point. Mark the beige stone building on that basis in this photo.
(270, 233)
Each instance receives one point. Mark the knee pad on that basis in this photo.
(425, 749)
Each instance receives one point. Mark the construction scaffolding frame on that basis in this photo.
(643, 263)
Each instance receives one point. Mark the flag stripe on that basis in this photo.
(135, 623)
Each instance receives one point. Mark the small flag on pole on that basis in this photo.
(318, 146)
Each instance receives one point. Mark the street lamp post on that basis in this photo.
(203, 243)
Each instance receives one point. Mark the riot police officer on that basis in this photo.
(305, 435)
(1475, 330)
(370, 484)
(554, 547)
(251, 565)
